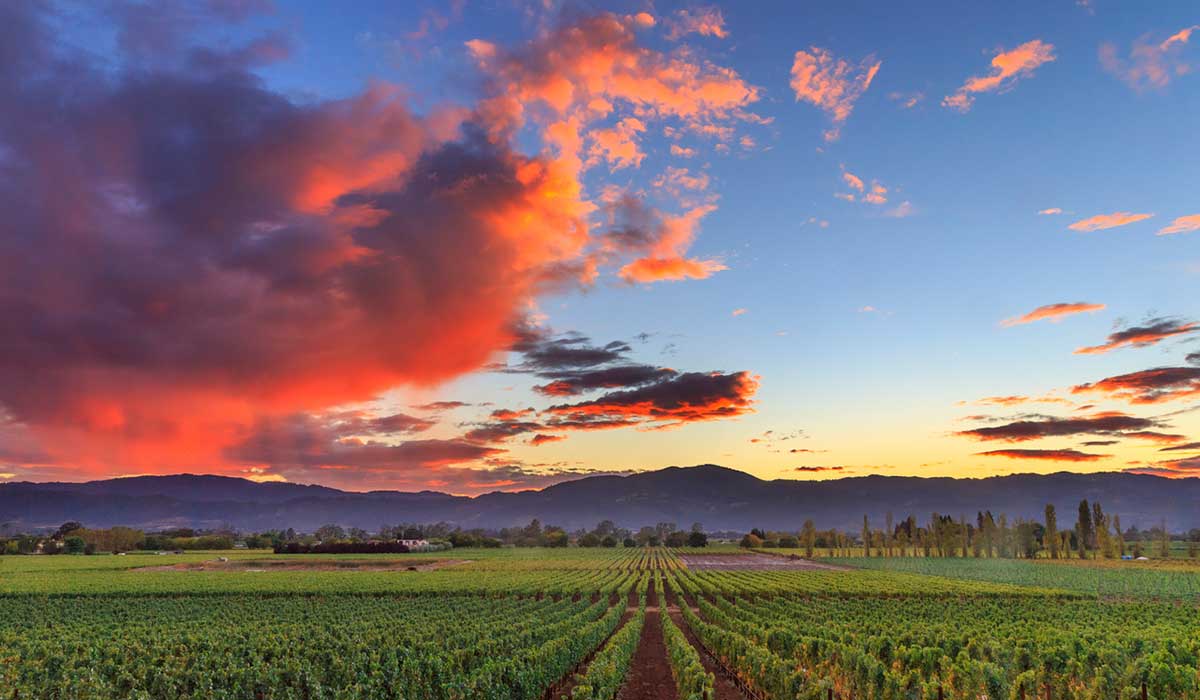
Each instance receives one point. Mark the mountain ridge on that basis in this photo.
(719, 497)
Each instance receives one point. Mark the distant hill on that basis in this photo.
(718, 497)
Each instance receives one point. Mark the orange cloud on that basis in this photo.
(673, 269)
(705, 21)
(1049, 455)
(1053, 312)
(1007, 68)
(1157, 437)
(1183, 224)
(1100, 222)
(1152, 332)
(1050, 212)
(662, 240)
(578, 73)
(1149, 386)
(1150, 65)
(1018, 400)
(875, 194)
(1173, 469)
(618, 145)
(907, 100)
(738, 312)
(676, 180)
(832, 84)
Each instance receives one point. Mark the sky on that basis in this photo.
(494, 245)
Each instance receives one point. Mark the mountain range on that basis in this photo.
(719, 497)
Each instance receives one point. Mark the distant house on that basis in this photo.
(415, 544)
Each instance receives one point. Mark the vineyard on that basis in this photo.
(1103, 578)
(616, 624)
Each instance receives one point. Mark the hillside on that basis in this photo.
(718, 497)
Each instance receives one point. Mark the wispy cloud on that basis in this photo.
(1150, 64)
(1006, 69)
(1052, 211)
(907, 100)
(1108, 423)
(1053, 312)
(705, 21)
(1182, 224)
(1100, 222)
(1151, 332)
(1148, 386)
(830, 83)
(1047, 455)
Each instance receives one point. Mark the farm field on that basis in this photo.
(1098, 577)
(538, 624)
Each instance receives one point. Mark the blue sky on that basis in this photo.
(870, 329)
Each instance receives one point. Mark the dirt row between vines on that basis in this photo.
(649, 675)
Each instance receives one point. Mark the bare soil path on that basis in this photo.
(649, 676)
(754, 561)
(253, 565)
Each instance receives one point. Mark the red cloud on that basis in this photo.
(1154, 331)
(542, 439)
(1176, 469)
(685, 398)
(1051, 455)
(508, 414)
(832, 84)
(1149, 386)
(1100, 222)
(326, 448)
(1053, 312)
(1154, 436)
(1007, 68)
(1112, 423)
(186, 254)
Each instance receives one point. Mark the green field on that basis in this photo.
(520, 623)
(1104, 577)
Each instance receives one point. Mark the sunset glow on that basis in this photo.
(471, 247)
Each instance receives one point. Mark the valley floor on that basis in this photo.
(633, 624)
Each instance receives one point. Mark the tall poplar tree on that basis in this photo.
(1083, 528)
(1050, 538)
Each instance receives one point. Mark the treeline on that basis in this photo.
(346, 547)
(535, 534)
(1094, 533)
(74, 538)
